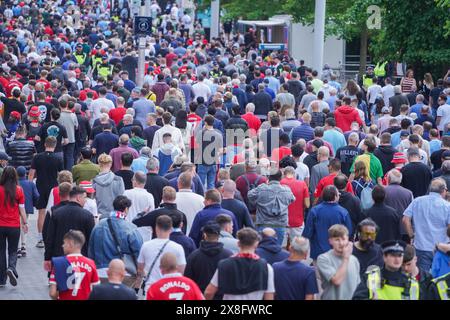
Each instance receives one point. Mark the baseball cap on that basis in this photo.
(15, 114)
(4, 156)
(34, 112)
(446, 155)
(399, 157)
(404, 133)
(87, 185)
(385, 110)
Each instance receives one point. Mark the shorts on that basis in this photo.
(291, 233)
(43, 200)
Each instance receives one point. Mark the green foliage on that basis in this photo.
(413, 31)
(249, 9)
(445, 4)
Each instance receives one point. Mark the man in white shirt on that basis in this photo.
(151, 252)
(443, 113)
(302, 170)
(141, 199)
(201, 89)
(98, 104)
(155, 9)
(177, 137)
(374, 91)
(387, 91)
(188, 201)
(253, 272)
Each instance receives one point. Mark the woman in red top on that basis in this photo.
(12, 208)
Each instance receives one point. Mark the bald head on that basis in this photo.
(229, 187)
(269, 232)
(116, 271)
(168, 263)
(185, 180)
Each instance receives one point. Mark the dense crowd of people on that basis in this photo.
(231, 173)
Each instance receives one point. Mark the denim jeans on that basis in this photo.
(207, 174)
(280, 231)
(424, 260)
(12, 236)
(68, 150)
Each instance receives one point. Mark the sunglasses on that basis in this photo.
(369, 234)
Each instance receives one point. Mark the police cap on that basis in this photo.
(393, 247)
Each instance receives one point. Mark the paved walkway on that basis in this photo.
(32, 281)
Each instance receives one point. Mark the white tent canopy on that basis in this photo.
(262, 23)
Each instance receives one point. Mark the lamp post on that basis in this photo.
(215, 18)
(319, 35)
(141, 58)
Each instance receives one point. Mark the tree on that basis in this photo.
(413, 32)
(344, 18)
(445, 4)
(249, 9)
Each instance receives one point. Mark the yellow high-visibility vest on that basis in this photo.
(389, 292)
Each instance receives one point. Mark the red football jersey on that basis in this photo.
(81, 276)
(174, 287)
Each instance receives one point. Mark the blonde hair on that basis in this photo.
(104, 159)
(361, 170)
(65, 176)
(337, 231)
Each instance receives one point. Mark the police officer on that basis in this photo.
(368, 78)
(440, 288)
(80, 56)
(96, 61)
(215, 72)
(389, 282)
(380, 72)
(104, 69)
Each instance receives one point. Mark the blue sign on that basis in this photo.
(272, 46)
(142, 26)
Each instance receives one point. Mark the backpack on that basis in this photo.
(366, 195)
(251, 186)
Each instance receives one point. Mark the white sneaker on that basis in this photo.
(40, 244)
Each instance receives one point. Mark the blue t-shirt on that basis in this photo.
(104, 142)
(319, 220)
(294, 280)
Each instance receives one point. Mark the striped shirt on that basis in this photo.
(407, 85)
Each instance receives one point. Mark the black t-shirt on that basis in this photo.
(416, 177)
(126, 175)
(436, 159)
(346, 155)
(47, 166)
(373, 256)
(11, 105)
(434, 93)
(112, 291)
(54, 129)
(45, 109)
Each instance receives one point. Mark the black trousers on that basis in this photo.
(12, 236)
